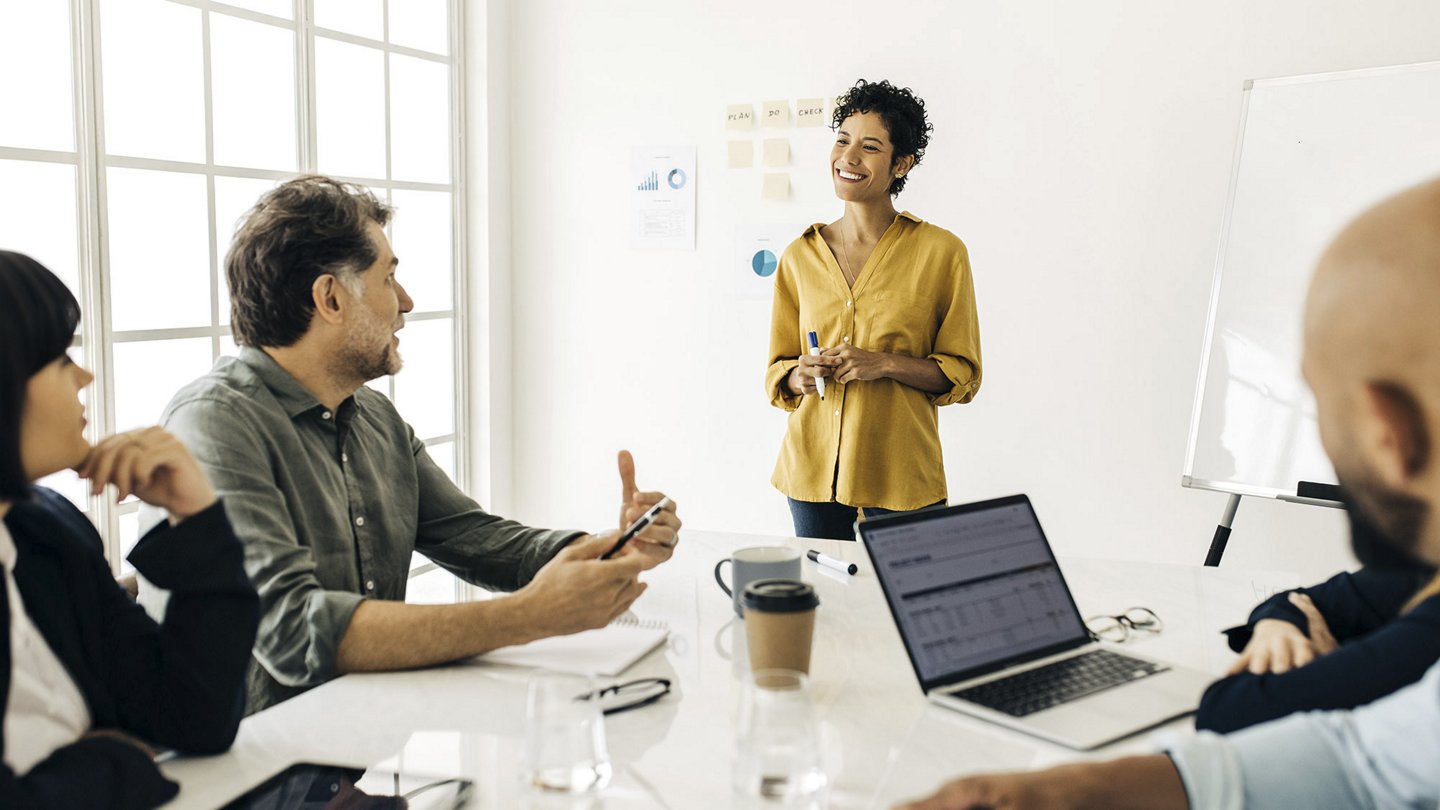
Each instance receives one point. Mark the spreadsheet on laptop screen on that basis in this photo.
(973, 588)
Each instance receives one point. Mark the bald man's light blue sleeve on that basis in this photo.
(1381, 755)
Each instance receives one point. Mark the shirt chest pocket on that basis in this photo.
(898, 323)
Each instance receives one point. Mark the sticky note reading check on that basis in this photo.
(777, 152)
(742, 154)
(739, 116)
(776, 187)
(810, 112)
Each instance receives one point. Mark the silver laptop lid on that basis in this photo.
(973, 588)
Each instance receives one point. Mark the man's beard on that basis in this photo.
(1385, 525)
(365, 364)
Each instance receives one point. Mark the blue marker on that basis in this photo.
(815, 352)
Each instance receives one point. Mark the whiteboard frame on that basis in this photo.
(1187, 479)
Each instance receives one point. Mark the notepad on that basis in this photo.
(607, 651)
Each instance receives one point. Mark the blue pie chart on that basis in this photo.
(764, 263)
(675, 179)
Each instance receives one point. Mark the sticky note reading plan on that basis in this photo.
(777, 152)
(777, 187)
(742, 154)
(776, 114)
(810, 112)
(739, 116)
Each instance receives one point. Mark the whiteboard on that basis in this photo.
(1313, 152)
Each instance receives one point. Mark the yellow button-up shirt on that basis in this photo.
(876, 442)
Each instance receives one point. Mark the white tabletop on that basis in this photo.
(882, 740)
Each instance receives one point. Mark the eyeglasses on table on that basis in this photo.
(1118, 628)
(622, 697)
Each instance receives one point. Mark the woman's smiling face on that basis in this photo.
(862, 160)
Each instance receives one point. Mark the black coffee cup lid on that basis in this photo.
(779, 596)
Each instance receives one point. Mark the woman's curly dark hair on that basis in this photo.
(902, 111)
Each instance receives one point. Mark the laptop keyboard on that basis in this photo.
(1041, 688)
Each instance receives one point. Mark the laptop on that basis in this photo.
(992, 630)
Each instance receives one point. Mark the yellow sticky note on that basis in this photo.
(739, 116)
(777, 152)
(742, 154)
(776, 114)
(776, 187)
(810, 112)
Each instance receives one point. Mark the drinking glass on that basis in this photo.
(564, 735)
(777, 750)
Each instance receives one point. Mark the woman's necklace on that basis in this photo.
(849, 268)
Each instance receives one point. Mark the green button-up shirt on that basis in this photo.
(330, 506)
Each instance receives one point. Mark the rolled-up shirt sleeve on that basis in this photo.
(480, 548)
(1380, 755)
(785, 340)
(301, 622)
(957, 342)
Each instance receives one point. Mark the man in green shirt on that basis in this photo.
(330, 491)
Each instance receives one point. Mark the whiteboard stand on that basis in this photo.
(1222, 532)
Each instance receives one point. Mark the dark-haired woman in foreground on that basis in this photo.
(89, 684)
(890, 299)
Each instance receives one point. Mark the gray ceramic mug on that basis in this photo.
(758, 562)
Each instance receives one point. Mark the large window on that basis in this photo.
(135, 133)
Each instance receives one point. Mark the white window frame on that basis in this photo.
(91, 162)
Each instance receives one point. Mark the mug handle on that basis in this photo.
(721, 582)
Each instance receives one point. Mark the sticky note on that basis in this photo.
(810, 112)
(777, 152)
(739, 116)
(776, 114)
(742, 154)
(776, 187)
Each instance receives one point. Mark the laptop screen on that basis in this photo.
(972, 587)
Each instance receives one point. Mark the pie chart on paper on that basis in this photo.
(764, 263)
(675, 179)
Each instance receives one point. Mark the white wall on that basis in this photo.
(1082, 150)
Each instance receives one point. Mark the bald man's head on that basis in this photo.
(1372, 357)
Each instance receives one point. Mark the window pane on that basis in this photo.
(159, 249)
(425, 388)
(275, 8)
(363, 18)
(148, 373)
(253, 99)
(419, 120)
(443, 454)
(423, 24)
(431, 588)
(35, 44)
(129, 536)
(350, 106)
(234, 197)
(37, 215)
(153, 80)
(421, 236)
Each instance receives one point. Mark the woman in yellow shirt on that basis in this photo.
(890, 299)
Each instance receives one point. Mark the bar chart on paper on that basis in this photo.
(651, 182)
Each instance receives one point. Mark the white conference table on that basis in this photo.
(882, 741)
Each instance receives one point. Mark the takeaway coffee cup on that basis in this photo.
(779, 623)
(758, 562)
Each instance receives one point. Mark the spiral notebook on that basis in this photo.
(608, 651)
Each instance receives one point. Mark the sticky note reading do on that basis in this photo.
(777, 114)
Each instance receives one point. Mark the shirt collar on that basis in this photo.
(288, 391)
(8, 552)
(902, 215)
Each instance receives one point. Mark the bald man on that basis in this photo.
(1372, 357)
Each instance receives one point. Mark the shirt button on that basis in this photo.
(325, 415)
(369, 584)
(846, 339)
(360, 521)
(848, 303)
(837, 411)
(344, 457)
